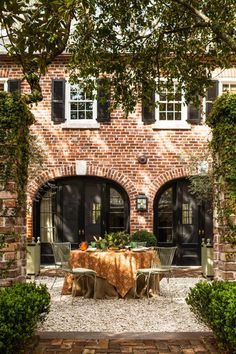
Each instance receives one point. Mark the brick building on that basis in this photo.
(97, 167)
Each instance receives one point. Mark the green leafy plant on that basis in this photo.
(15, 120)
(100, 242)
(214, 304)
(144, 236)
(23, 306)
(222, 121)
(201, 177)
(116, 239)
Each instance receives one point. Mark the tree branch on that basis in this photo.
(215, 28)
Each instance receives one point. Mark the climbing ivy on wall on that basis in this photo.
(222, 121)
(15, 141)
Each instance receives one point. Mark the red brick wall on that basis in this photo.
(12, 252)
(14, 249)
(110, 151)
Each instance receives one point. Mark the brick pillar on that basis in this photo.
(13, 234)
(226, 267)
(224, 254)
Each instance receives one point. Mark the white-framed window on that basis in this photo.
(3, 84)
(81, 110)
(227, 85)
(171, 112)
(221, 85)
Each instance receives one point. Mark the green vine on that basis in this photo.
(15, 143)
(222, 121)
(201, 178)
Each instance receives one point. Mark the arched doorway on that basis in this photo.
(78, 208)
(181, 219)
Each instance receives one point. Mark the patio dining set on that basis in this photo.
(122, 273)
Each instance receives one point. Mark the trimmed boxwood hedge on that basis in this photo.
(22, 307)
(144, 236)
(214, 304)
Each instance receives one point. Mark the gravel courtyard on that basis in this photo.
(158, 314)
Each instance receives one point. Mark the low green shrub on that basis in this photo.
(22, 307)
(144, 236)
(214, 304)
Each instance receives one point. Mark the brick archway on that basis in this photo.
(114, 175)
(166, 177)
(70, 170)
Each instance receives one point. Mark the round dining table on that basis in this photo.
(116, 272)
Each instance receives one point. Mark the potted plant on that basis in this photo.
(144, 236)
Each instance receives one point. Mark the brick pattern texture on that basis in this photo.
(201, 345)
(111, 151)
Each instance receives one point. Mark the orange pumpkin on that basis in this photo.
(83, 246)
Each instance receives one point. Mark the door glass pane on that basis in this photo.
(187, 214)
(165, 217)
(92, 220)
(116, 200)
(46, 217)
(116, 211)
(165, 234)
(96, 212)
(165, 201)
(117, 221)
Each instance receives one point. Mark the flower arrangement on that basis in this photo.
(118, 239)
(100, 242)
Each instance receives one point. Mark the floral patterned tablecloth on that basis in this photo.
(118, 268)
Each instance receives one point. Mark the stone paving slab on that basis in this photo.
(124, 343)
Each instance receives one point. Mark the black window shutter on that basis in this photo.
(13, 85)
(212, 93)
(58, 100)
(148, 111)
(103, 102)
(194, 114)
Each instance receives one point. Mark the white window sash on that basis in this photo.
(222, 81)
(225, 81)
(4, 82)
(79, 123)
(172, 124)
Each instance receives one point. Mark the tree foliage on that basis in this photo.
(137, 41)
(34, 32)
(132, 41)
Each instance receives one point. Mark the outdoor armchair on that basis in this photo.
(162, 266)
(61, 253)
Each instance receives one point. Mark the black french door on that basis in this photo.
(78, 209)
(183, 221)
